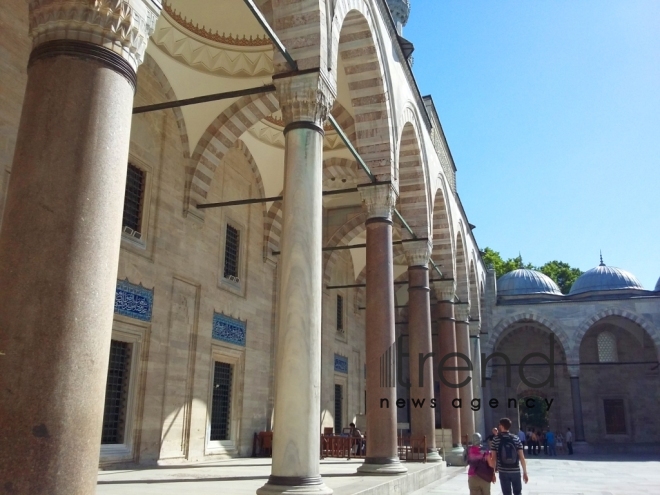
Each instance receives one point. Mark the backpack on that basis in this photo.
(507, 453)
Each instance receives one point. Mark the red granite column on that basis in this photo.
(447, 346)
(382, 454)
(59, 245)
(462, 312)
(420, 347)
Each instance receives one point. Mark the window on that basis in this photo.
(607, 351)
(116, 393)
(340, 313)
(221, 401)
(615, 416)
(232, 246)
(338, 408)
(133, 198)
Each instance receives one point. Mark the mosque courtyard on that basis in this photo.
(588, 474)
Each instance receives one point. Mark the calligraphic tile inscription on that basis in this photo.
(228, 329)
(133, 300)
(341, 364)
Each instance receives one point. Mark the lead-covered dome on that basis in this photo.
(605, 277)
(524, 281)
(657, 285)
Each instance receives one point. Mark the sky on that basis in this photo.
(552, 113)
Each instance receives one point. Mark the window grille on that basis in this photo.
(133, 198)
(232, 245)
(221, 402)
(615, 417)
(340, 313)
(607, 350)
(338, 408)
(116, 393)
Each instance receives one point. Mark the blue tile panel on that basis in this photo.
(133, 300)
(341, 364)
(228, 329)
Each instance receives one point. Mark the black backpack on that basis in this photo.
(507, 453)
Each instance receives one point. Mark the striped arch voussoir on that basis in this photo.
(503, 325)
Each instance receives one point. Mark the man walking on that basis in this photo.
(509, 456)
(569, 441)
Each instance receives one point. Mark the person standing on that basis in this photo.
(551, 441)
(544, 441)
(569, 441)
(509, 457)
(481, 472)
(523, 438)
(560, 444)
(534, 440)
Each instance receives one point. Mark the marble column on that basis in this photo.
(489, 421)
(420, 350)
(477, 389)
(305, 100)
(445, 291)
(574, 372)
(462, 312)
(382, 455)
(59, 245)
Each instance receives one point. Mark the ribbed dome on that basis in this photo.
(524, 281)
(605, 277)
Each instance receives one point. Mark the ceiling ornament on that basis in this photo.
(209, 56)
(209, 35)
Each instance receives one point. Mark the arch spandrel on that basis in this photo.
(461, 276)
(442, 233)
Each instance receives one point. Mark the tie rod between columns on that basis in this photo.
(355, 246)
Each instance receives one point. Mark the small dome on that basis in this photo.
(524, 281)
(657, 286)
(605, 277)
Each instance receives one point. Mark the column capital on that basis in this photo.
(121, 26)
(462, 312)
(445, 290)
(305, 97)
(418, 253)
(378, 200)
(573, 370)
(475, 327)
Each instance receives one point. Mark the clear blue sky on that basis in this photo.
(552, 113)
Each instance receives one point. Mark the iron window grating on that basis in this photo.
(615, 416)
(340, 313)
(221, 402)
(338, 408)
(232, 245)
(133, 197)
(116, 393)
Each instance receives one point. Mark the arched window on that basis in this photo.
(607, 351)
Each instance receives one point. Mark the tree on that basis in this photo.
(562, 273)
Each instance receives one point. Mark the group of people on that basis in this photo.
(552, 443)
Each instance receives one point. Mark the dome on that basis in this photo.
(657, 285)
(605, 277)
(523, 281)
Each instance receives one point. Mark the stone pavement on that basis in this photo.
(244, 476)
(576, 475)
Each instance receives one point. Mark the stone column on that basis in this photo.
(420, 348)
(477, 389)
(445, 291)
(462, 311)
(59, 245)
(489, 422)
(382, 454)
(305, 100)
(574, 372)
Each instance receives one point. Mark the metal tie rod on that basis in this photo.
(357, 286)
(204, 99)
(271, 34)
(239, 202)
(350, 147)
(351, 246)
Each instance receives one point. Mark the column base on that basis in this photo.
(281, 485)
(382, 466)
(433, 456)
(456, 457)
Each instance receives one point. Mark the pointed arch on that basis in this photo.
(461, 274)
(442, 232)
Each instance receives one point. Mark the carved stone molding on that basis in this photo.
(378, 201)
(445, 290)
(122, 26)
(306, 97)
(418, 253)
(573, 370)
(462, 312)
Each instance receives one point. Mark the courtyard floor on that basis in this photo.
(587, 475)
(574, 475)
